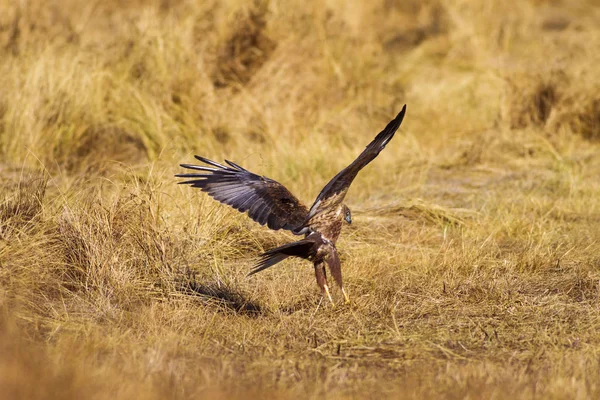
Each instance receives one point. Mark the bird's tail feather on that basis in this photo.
(271, 257)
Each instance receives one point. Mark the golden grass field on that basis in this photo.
(474, 258)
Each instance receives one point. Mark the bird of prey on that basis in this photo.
(269, 202)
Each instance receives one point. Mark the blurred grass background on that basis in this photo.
(473, 257)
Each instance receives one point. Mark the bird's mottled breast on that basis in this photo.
(329, 225)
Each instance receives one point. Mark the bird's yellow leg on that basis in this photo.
(345, 295)
(328, 294)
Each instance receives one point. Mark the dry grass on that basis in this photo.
(473, 261)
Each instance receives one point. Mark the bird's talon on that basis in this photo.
(326, 288)
(346, 297)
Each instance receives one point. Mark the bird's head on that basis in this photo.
(347, 214)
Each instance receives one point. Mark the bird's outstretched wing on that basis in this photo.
(267, 201)
(334, 192)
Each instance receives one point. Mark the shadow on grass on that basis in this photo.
(225, 296)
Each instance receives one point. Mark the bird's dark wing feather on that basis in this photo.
(267, 201)
(333, 193)
(303, 248)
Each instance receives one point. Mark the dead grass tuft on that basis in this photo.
(100, 146)
(114, 245)
(21, 206)
(582, 116)
(247, 48)
(532, 98)
(420, 21)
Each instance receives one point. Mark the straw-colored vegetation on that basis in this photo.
(474, 258)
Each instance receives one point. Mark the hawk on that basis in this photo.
(269, 202)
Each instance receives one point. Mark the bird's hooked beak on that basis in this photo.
(348, 218)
